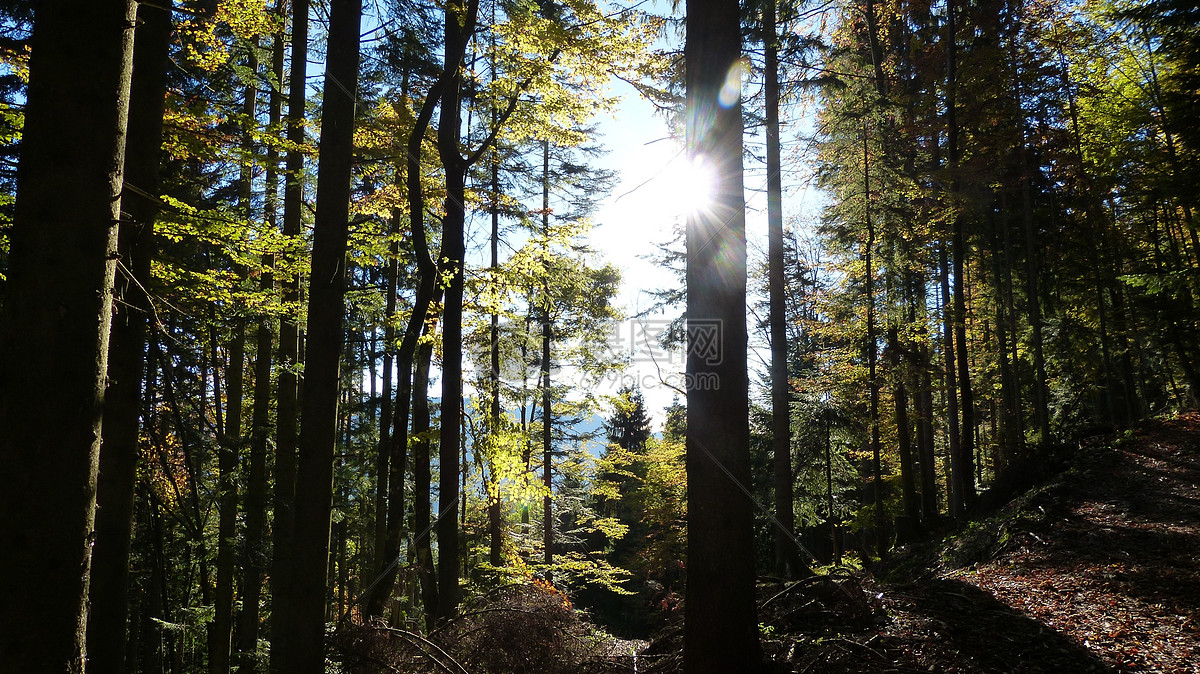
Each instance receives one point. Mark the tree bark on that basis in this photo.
(872, 358)
(55, 328)
(459, 25)
(422, 550)
(326, 310)
(964, 477)
(720, 624)
(908, 482)
(219, 658)
(547, 405)
(282, 606)
(787, 555)
(108, 594)
(255, 561)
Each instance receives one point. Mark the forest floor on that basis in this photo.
(1096, 570)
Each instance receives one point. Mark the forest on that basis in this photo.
(302, 315)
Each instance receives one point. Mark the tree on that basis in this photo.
(787, 556)
(629, 426)
(287, 395)
(326, 309)
(109, 592)
(54, 339)
(720, 628)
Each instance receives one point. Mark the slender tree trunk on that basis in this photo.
(495, 508)
(908, 483)
(383, 452)
(108, 593)
(459, 25)
(964, 478)
(871, 353)
(282, 604)
(219, 659)
(547, 407)
(55, 328)
(326, 308)
(787, 555)
(1041, 395)
(407, 391)
(256, 558)
(720, 624)
(221, 628)
(952, 430)
(422, 525)
(829, 504)
(925, 439)
(1008, 442)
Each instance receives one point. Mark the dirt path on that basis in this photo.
(1116, 569)
(1097, 571)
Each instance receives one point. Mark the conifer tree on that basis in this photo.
(720, 629)
(55, 331)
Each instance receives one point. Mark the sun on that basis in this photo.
(685, 185)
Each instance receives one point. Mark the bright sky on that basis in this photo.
(656, 189)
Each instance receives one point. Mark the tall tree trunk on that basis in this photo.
(123, 397)
(282, 606)
(953, 437)
(829, 503)
(1041, 395)
(908, 482)
(872, 357)
(406, 388)
(720, 623)
(231, 443)
(1008, 442)
(326, 309)
(547, 406)
(459, 25)
(787, 555)
(964, 478)
(495, 508)
(55, 328)
(422, 526)
(255, 564)
(925, 440)
(383, 454)
(383, 451)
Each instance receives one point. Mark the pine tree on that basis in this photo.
(55, 331)
(720, 628)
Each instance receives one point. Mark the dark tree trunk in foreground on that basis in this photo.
(720, 626)
(126, 353)
(55, 327)
(326, 310)
(422, 525)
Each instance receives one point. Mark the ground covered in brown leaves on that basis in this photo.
(1097, 570)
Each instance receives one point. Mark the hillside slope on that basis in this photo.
(1096, 571)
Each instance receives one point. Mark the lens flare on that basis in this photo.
(731, 91)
